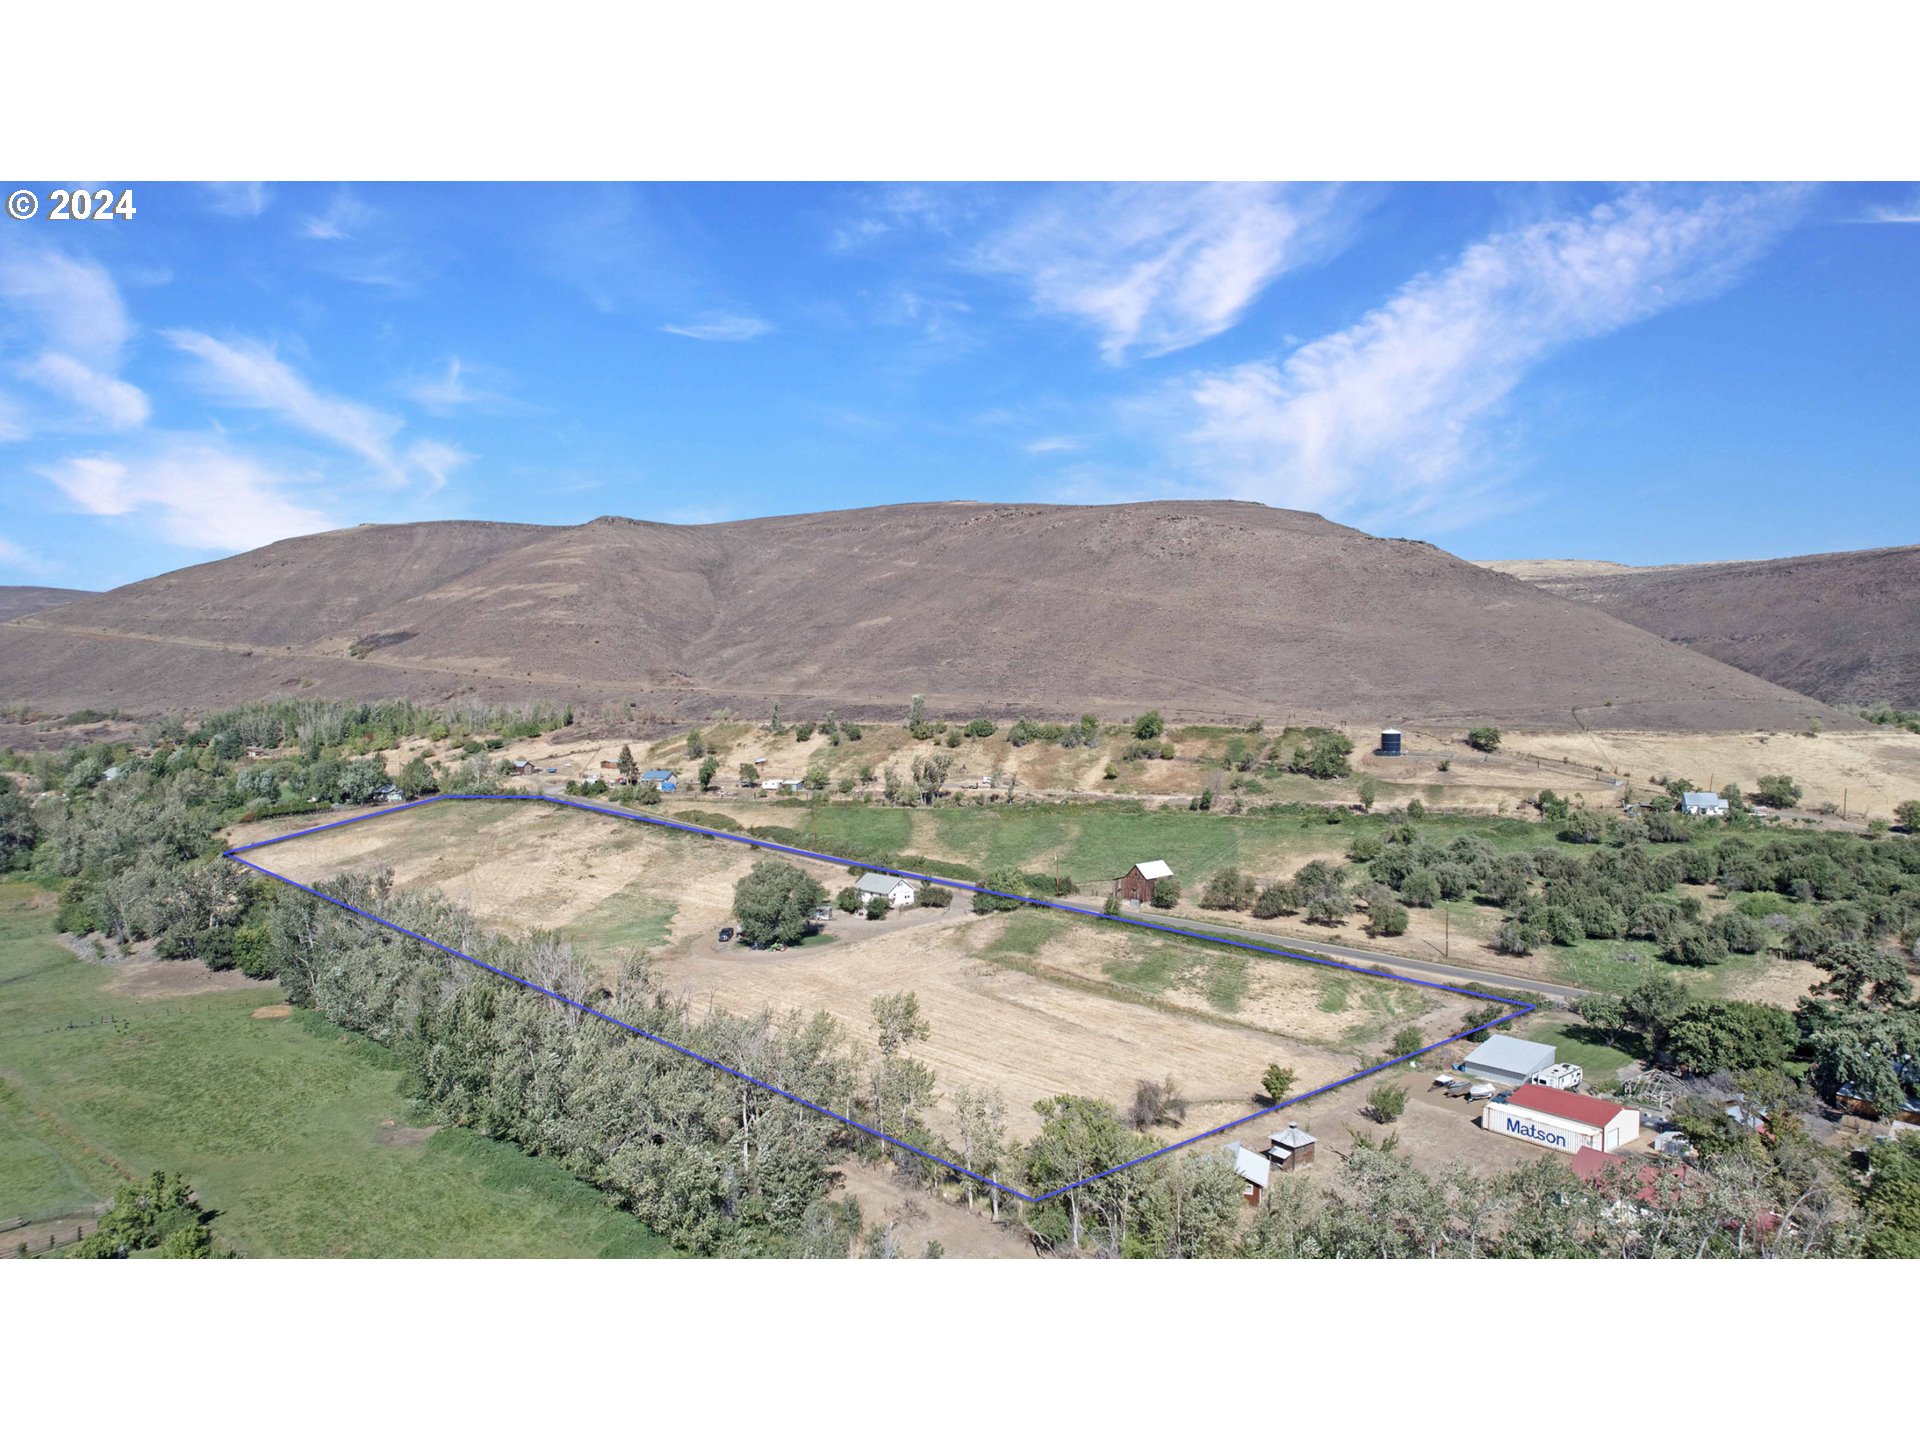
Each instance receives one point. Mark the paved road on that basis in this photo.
(1454, 974)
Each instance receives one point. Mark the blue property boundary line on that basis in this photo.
(1520, 1009)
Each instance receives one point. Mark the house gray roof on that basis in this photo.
(1154, 869)
(1511, 1055)
(1291, 1138)
(874, 883)
(656, 774)
(1704, 797)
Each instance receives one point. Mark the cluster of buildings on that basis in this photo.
(1541, 1105)
(1288, 1149)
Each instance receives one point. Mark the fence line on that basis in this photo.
(54, 1241)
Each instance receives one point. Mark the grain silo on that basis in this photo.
(1389, 742)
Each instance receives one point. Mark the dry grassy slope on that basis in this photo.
(1201, 608)
(16, 600)
(1844, 627)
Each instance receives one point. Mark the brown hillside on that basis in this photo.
(1212, 608)
(1844, 627)
(17, 600)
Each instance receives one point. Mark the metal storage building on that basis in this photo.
(1560, 1120)
(1508, 1060)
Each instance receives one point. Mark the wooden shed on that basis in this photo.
(1136, 886)
(1291, 1149)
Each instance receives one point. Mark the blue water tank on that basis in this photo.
(1389, 742)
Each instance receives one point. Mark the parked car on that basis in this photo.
(726, 934)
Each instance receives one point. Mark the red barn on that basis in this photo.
(1136, 886)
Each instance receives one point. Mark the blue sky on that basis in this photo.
(1646, 374)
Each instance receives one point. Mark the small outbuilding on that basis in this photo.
(1560, 1120)
(1509, 1060)
(1254, 1168)
(1136, 886)
(1291, 1149)
(1703, 802)
(898, 893)
(664, 779)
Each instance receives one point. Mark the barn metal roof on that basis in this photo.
(1154, 870)
(1511, 1054)
(1565, 1105)
(1252, 1165)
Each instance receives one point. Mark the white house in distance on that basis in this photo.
(897, 892)
(1703, 802)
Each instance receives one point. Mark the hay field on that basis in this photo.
(1033, 1003)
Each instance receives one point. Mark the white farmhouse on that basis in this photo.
(897, 892)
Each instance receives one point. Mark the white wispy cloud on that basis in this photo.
(345, 218)
(197, 494)
(20, 558)
(885, 212)
(251, 376)
(1396, 416)
(721, 327)
(238, 200)
(107, 398)
(13, 422)
(436, 460)
(1054, 445)
(441, 393)
(76, 310)
(1157, 268)
(73, 303)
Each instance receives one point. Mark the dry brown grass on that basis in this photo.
(1031, 1025)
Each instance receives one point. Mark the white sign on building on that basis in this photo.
(1562, 1135)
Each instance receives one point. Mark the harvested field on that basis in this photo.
(1034, 1029)
(1034, 1003)
(524, 867)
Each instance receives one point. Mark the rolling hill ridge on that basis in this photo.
(1843, 627)
(1204, 608)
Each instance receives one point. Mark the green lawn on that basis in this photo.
(631, 918)
(1597, 1060)
(1594, 965)
(277, 1122)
